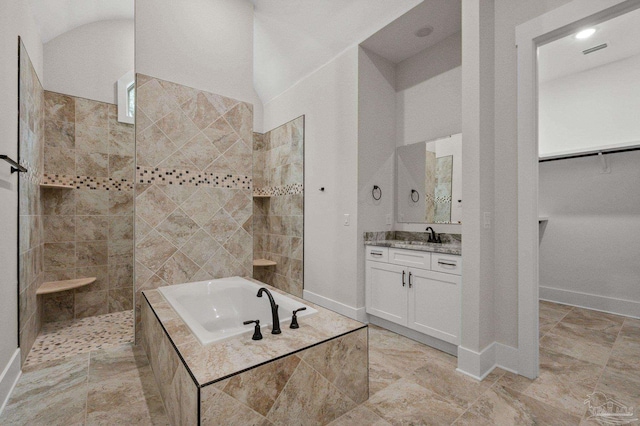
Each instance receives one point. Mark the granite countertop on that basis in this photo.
(451, 243)
(455, 249)
(222, 359)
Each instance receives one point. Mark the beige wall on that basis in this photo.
(30, 247)
(278, 219)
(193, 202)
(88, 230)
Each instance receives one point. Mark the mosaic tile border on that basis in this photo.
(88, 182)
(160, 176)
(292, 189)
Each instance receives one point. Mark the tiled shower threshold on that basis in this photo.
(67, 338)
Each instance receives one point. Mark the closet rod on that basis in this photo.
(589, 154)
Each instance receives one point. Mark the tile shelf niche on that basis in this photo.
(57, 185)
(58, 286)
(264, 262)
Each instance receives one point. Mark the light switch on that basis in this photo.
(347, 220)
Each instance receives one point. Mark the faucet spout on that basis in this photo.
(433, 238)
(275, 319)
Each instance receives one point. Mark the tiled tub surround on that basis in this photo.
(88, 229)
(316, 373)
(31, 244)
(451, 243)
(278, 164)
(193, 186)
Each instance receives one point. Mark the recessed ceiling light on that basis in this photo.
(585, 33)
(424, 31)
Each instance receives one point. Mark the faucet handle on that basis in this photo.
(257, 335)
(294, 318)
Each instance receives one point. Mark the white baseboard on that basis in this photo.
(357, 314)
(9, 378)
(591, 301)
(480, 364)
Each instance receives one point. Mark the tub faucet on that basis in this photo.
(275, 327)
(433, 238)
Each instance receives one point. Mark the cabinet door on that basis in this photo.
(434, 304)
(385, 294)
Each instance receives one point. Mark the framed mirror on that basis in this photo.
(429, 181)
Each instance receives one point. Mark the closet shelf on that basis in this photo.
(57, 185)
(264, 262)
(58, 286)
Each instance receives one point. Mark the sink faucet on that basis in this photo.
(433, 238)
(275, 328)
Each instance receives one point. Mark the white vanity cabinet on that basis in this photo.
(416, 289)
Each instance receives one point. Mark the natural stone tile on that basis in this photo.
(225, 410)
(59, 256)
(92, 202)
(121, 203)
(101, 273)
(121, 227)
(120, 252)
(92, 228)
(59, 107)
(91, 139)
(58, 306)
(154, 250)
(121, 167)
(221, 134)
(221, 226)
(91, 253)
(360, 415)
(405, 402)
(240, 245)
(91, 113)
(200, 207)
(200, 110)
(578, 342)
(153, 101)
(152, 147)
(120, 299)
(59, 228)
(154, 206)
(60, 161)
(121, 142)
(310, 396)
(178, 127)
(201, 247)
(200, 151)
(91, 304)
(52, 394)
(178, 227)
(260, 387)
(60, 134)
(594, 320)
(501, 405)
(121, 276)
(178, 269)
(240, 118)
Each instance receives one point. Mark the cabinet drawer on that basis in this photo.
(379, 254)
(418, 259)
(446, 263)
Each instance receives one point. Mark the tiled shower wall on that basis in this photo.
(31, 248)
(193, 186)
(278, 162)
(88, 230)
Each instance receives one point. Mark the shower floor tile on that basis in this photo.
(67, 338)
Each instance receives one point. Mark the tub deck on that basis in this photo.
(198, 383)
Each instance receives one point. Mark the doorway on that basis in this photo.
(530, 36)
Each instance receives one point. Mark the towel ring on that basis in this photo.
(415, 200)
(373, 192)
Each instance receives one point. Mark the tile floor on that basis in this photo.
(66, 338)
(581, 352)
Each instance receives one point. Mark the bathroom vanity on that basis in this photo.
(413, 288)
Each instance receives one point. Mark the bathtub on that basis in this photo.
(215, 310)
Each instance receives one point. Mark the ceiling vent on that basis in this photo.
(595, 48)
